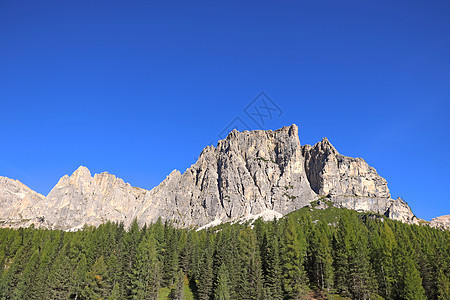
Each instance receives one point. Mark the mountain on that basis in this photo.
(248, 174)
(19, 205)
(441, 222)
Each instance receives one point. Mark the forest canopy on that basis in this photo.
(332, 253)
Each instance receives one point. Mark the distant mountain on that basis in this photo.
(248, 174)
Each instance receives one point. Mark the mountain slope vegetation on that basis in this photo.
(329, 253)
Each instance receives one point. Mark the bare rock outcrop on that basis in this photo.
(82, 199)
(442, 222)
(250, 173)
(18, 203)
(331, 173)
(351, 183)
(246, 174)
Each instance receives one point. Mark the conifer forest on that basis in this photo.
(308, 254)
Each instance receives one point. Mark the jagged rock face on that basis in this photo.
(442, 222)
(247, 174)
(351, 183)
(331, 173)
(82, 199)
(18, 203)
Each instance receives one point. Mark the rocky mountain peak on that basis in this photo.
(18, 203)
(81, 173)
(442, 222)
(249, 173)
(325, 146)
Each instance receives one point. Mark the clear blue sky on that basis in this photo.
(138, 88)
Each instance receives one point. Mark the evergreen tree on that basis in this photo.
(383, 246)
(412, 283)
(60, 279)
(443, 286)
(292, 258)
(271, 266)
(409, 282)
(97, 280)
(115, 293)
(321, 259)
(354, 274)
(222, 289)
(177, 292)
(251, 271)
(170, 254)
(271, 260)
(79, 277)
(145, 274)
(205, 275)
(28, 278)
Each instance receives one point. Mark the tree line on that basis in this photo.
(357, 256)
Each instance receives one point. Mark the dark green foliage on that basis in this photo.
(359, 256)
(145, 274)
(320, 257)
(222, 286)
(177, 291)
(293, 254)
(97, 285)
(251, 275)
(205, 274)
(271, 266)
(354, 274)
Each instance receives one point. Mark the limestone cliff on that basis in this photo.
(82, 199)
(351, 183)
(247, 174)
(18, 203)
(442, 222)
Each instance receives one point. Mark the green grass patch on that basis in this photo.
(164, 293)
(187, 292)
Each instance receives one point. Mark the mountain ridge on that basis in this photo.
(246, 174)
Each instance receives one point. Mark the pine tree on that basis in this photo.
(354, 274)
(28, 278)
(321, 257)
(115, 293)
(292, 258)
(97, 285)
(177, 292)
(130, 242)
(251, 271)
(271, 266)
(79, 277)
(413, 289)
(60, 278)
(409, 282)
(170, 254)
(443, 286)
(383, 244)
(205, 275)
(145, 274)
(222, 289)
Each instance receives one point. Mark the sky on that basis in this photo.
(139, 88)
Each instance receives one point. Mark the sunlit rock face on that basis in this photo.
(247, 174)
(351, 183)
(442, 222)
(19, 205)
